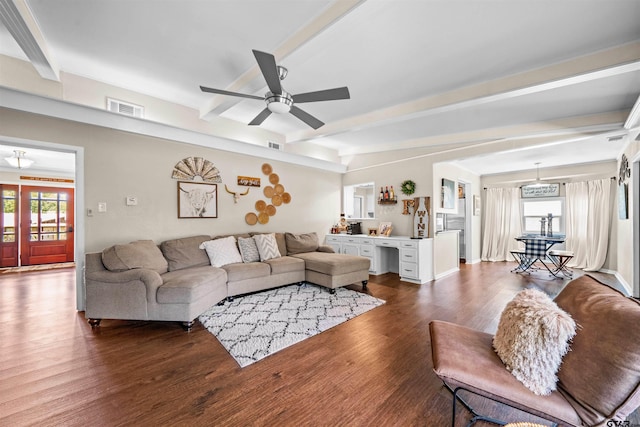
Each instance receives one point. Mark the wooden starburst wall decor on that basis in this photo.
(196, 169)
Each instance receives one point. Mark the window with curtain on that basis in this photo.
(534, 209)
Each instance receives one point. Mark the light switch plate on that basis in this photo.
(102, 207)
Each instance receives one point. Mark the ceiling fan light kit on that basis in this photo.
(280, 101)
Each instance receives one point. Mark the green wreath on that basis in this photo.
(408, 187)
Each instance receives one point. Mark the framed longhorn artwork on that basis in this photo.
(197, 200)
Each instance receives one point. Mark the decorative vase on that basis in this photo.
(421, 217)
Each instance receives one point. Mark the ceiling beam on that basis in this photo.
(330, 16)
(569, 127)
(19, 21)
(616, 61)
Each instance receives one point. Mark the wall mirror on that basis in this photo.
(359, 201)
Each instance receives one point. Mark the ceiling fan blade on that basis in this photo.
(267, 63)
(226, 92)
(306, 117)
(260, 117)
(322, 95)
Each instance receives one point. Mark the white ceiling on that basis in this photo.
(430, 73)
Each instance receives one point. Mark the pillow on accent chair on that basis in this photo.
(267, 246)
(532, 338)
(222, 251)
(301, 243)
(248, 249)
(138, 254)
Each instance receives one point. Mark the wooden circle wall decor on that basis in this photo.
(276, 192)
(190, 168)
(251, 218)
(261, 205)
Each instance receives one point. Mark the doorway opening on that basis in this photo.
(58, 165)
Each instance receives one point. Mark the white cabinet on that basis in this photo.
(412, 259)
(416, 260)
(344, 244)
(353, 245)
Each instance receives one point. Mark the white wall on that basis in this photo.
(120, 164)
(625, 240)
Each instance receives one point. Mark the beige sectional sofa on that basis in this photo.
(181, 278)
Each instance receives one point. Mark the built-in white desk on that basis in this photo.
(411, 258)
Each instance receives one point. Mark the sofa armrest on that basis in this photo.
(150, 278)
(325, 248)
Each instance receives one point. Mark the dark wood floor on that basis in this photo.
(374, 370)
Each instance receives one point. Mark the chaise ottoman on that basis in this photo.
(333, 270)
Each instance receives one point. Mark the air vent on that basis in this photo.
(615, 138)
(125, 108)
(275, 145)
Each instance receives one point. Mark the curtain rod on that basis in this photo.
(615, 178)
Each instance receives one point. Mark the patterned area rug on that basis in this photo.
(254, 326)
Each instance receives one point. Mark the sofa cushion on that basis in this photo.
(190, 285)
(248, 249)
(333, 264)
(185, 252)
(285, 264)
(600, 376)
(138, 254)
(300, 243)
(267, 246)
(222, 251)
(250, 270)
(533, 335)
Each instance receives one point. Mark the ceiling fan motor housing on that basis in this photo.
(278, 103)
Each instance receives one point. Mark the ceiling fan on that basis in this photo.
(280, 101)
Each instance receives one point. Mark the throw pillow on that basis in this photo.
(301, 243)
(532, 338)
(138, 254)
(185, 252)
(267, 246)
(222, 251)
(248, 249)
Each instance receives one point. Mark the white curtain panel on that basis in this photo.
(588, 222)
(502, 223)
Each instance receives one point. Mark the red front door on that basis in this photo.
(8, 225)
(46, 225)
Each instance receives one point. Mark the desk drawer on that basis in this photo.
(409, 255)
(408, 269)
(333, 239)
(387, 243)
(366, 250)
(410, 244)
(366, 241)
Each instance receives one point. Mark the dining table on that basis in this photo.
(536, 251)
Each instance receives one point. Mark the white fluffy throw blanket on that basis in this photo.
(533, 335)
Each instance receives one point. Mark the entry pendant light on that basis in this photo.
(538, 182)
(18, 160)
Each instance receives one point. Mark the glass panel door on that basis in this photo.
(9, 225)
(47, 225)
